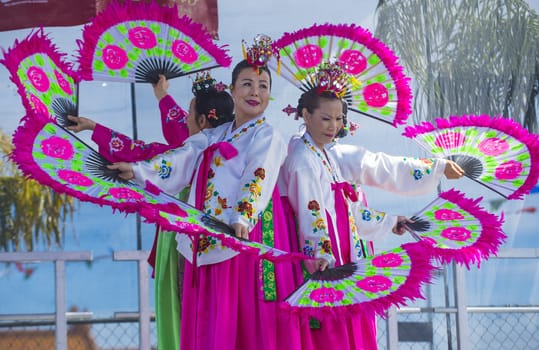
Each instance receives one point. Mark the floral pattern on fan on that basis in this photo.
(45, 81)
(498, 153)
(377, 86)
(56, 158)
(370, 285)
(135, 42)
(458, 229)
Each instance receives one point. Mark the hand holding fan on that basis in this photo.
(45, 82)
(458, 229)
(371, 285)
(376, 86)
(136, 41)
(56, 158)
(497, 153)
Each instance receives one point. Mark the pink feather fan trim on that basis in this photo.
(490, 239)
(36, 42)
(505, 125)
(116, 13)
(363, 36)
(421, 273)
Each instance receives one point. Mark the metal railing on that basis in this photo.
(453, 327)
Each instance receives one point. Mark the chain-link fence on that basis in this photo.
(97, 334)
(451, 326)
(489, 328)
(416, 331)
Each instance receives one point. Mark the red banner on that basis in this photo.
(201, 11)
(18, 14)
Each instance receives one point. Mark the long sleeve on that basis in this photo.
(264, 157)
(117, 147)
(173, 121)
(172, 170)
(402, 175)
(372, 224)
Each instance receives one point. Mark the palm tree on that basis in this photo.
(29, 212)
(466, 57)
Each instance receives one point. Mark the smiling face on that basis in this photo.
(251, 93)
(325, 121)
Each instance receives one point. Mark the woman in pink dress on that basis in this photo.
(209, 108)
(332, 222)
(229, 299)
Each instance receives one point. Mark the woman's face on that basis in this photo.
(325, 121)
(251, 93)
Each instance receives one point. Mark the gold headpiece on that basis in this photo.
(260, 52)
(331, 77)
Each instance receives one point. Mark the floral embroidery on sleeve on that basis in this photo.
(425, 169)
(245, 205)
(207, 244)
(352, 221)
(138, 144)
(308, 248)
(325, 246)
(369, 215)
(116, 144)
(164, 169)
(245, 209)
(176, 112)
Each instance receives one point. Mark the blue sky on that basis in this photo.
(105, 286)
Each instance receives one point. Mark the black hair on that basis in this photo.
(310, 100)
(344, 131)
(244, 64)
(221, 101)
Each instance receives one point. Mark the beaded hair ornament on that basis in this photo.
(203, 82)
(330, 77)
(260, 52)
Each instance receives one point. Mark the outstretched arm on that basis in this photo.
(402, 175)
(115, 146)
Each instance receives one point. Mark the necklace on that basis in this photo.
(324, 158)
(245, 129)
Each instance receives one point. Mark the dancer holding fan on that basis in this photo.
(228, 301)
(176, 124)
(311, 180)
(374, 86)
(209, 108)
